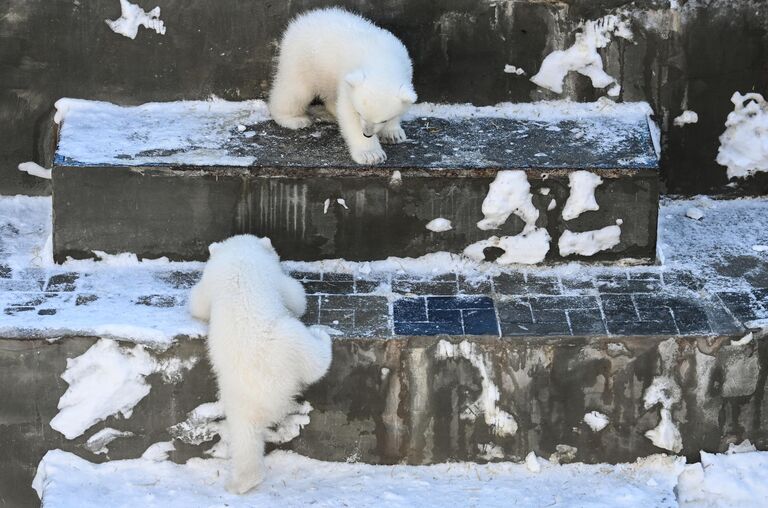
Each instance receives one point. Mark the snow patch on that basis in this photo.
(501, 422)
(589, 243)
(532, 463)
(685, 118)
(582, 195)
(744, 340)
(597, 421)
(665, 392)
(158, 452)
(737, 478)
(511, 69)
(526, 248)
(202, 424)
(132, 17)
(694, 213)
(509, 193)
(105, 380)
(583, 57)
(98, 442)
(744, 144)
(543, 111)
(35, 169)
(291, 426)
(186, 132)
(489, 451)
(439, 225)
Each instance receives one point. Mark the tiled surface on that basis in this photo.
(450, 315)
(614, 302)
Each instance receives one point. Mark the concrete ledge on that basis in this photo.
(171, 194)
(424, 400)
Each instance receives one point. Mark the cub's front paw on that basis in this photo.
(370, 156)
(391, 136)
(293, 122)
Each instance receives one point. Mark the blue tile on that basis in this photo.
(445, 316)
(480, 322)
(402, 328)
(453, 302)
(409, 310)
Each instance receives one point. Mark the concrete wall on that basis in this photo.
(695, 57)
(423, 400)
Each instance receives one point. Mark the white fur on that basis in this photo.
(262, 355)
(361, 72)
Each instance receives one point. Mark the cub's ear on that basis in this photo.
(213, 247)
(355, 78)
(407, 94)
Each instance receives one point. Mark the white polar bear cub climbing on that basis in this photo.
(361, 72)
(262, 355)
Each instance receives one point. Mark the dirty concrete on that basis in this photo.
(171, 213)
(693, 57)
(420, 400)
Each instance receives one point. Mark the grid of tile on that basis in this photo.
(618, 302)
(448, 315)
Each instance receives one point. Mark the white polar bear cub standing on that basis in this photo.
(361, 72)
(262, 355)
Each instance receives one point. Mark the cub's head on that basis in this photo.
(242, 245)
(377, 103)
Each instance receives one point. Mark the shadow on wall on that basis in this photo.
(686, 58)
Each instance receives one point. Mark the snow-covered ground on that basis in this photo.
(724, 480)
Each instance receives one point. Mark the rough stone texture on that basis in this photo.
(693, 57)
(178, 211)
(403, 400)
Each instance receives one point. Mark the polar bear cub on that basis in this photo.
(262, 355)
(361, 72)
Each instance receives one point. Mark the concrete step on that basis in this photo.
(438, 369)
(168, 179)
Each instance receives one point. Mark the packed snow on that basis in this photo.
(35, 169)
(664, 392)
(439, 225)
(511, 69)
(589, 243)
(500, 421)
(132, 17)
(744, 144)
(596, 420)
(103, 381)
(582, 196)
(509, 193)
(98, 442)
(106, 380)
(525, 248)
(685, 118)
(158, 452)
(738, 477)
(184, 132)
(65, 480)
(694, 213)
(583, 57)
